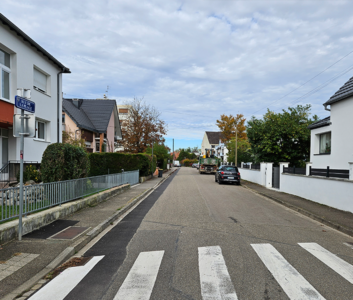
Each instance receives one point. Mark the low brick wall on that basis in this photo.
(9, 230)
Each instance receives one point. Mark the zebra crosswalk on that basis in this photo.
(215, 281)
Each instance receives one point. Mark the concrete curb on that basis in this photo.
(306, 213)
(80, 243)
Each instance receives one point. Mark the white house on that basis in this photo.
(222, 151)
(332, 137)
(26, 65)
(210, 140)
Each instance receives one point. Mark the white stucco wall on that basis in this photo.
(23, 60)
(252, 175)
(341, 138)
(332, 192)
(205, 144)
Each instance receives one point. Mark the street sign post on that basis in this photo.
(25, 105)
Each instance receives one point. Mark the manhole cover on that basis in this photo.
(69, 233)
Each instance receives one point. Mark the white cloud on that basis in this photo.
(194, 60)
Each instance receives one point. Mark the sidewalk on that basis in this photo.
(335, 218)
(24, 263)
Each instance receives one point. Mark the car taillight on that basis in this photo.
(238, 173)
(222, 172)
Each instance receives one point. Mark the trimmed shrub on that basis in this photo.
(64, 162)
(188, 162)
(104, 163)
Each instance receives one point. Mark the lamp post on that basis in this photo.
(236, 147)
(152, 159)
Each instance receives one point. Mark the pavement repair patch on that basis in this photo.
(16, 262)
(69, 233)
(51, 229)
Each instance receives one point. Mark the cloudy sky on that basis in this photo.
(197, 59)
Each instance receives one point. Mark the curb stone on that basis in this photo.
(305, 213)
(75, 247)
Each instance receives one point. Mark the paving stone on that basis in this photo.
(27, 294)
(36, 287)
(3, 267)
(13, 268)
(5, 273)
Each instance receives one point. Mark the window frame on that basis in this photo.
(37, 130)
(7, 70)
(47, 84)
(320, 137)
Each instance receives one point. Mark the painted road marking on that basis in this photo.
(293, 284)
(65, 282)
(214, 277)
(140, 281)
(334, 262)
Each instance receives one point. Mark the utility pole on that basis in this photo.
(236, 147)
(152, 159)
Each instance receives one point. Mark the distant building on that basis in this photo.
(210, 140)
(94, 120)
(124, 113)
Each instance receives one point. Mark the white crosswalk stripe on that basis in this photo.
(335, 263)
(214, 277)
(293, 284)
(140, 281)
(62, 285)
(215, 281)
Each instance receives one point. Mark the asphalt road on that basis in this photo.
(195, 239)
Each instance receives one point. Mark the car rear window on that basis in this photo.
(230, 169)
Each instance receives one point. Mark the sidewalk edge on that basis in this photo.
(306, 213)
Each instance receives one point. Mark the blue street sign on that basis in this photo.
(25, 104)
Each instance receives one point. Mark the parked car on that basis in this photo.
(194, 165)
(227, 174)
(198, 166)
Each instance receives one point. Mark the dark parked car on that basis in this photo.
(227, 174)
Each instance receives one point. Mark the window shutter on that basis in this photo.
(40, 80)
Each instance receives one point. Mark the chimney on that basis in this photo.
(75, 102)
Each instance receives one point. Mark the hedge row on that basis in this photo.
(104, 163)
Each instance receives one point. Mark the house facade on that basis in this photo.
(26, 65)
(332, 137)
(210, 140)
(222, 151)
(94, 120)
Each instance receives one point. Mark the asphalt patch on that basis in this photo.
(51, 229)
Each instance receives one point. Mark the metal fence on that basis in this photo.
(294, 170)
(336, 173)
(41, 196)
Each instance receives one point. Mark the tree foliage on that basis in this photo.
(281, 137)
(186, 153)
(69, 138)
(161, 152)
(226, 125)
(243, 151)
(142, 127)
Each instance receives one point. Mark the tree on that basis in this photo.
(227, 124)
(243, 151)
(281, 136)
(161, 152)
(142, 127)
(186, 154)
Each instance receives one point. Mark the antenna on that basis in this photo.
(106, 93)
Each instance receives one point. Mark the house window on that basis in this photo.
(4, 75)
(40, 126)
(40, 81)
(63, 118)
(325, 143)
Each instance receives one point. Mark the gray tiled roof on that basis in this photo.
(214, 137)
(344, 92)
(320, 123)
(93, 115)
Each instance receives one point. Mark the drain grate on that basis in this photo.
(69, 233)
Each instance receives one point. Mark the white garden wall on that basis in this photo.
(337, 193)
(252, 175)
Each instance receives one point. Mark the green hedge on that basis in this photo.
(102, 163)
(188, 162)
(64, 162)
